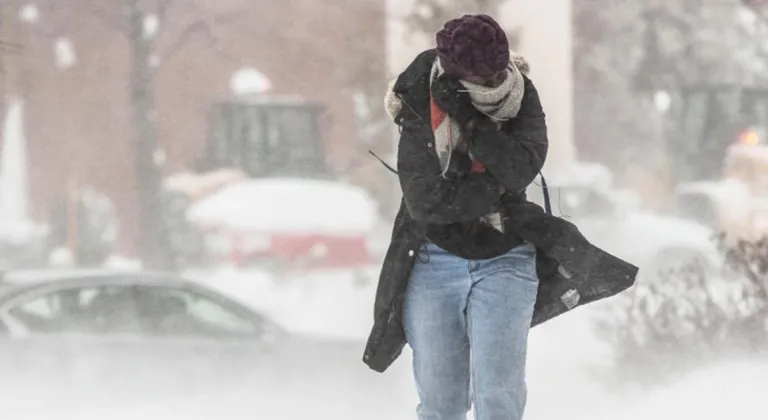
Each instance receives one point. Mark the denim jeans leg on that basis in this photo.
(435, 326)
(500, 309)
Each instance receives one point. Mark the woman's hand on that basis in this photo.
(459, 166)
(451, 96)
(515, 153)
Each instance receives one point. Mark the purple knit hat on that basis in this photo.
(473, 45)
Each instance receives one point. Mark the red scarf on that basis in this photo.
(441, 127)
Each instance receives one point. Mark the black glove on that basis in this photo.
(483, 127)
(449, 94)
(459, 166)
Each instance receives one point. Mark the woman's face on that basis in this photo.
(493, 81)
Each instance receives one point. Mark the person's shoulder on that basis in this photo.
(531, 102)
(420, 67)
(429, 56)
(528, 84)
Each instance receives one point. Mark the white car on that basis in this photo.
(612, 219)
(116, 338)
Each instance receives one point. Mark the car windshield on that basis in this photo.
(153, 310)
(181, 312)
(98, 310)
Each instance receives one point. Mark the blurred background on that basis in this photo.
(203, 168)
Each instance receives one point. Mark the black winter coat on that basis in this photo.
(571, 270)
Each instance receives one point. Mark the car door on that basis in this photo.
(69, 337)
(205, 337)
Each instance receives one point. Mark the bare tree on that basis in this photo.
(626, 52)
(673, 321)
(365, 81)
(154, 240)
(8, 47)
(758, 6)
(143, 23)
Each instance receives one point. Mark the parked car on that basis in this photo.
(614, 220)
(132, 335)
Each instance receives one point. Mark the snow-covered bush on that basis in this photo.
(671, 323)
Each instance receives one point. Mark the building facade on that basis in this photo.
(73, 75)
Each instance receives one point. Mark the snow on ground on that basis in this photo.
(560, 386)
(732, 390)
(563, 356)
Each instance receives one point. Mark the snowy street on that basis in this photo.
(564, 358)
(239, 210)
(563, 361)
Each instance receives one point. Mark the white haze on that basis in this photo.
(563, 360)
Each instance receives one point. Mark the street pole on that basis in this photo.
(153, 246)
(10, 49)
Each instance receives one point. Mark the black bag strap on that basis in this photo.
(386, 165)
(545, 190)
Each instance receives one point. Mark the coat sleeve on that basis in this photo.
(432, 198)
(516, 153)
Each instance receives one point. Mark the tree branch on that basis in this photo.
(200, 27)
(116, 21)
(10, 47)
(428, 16)
(162, 9)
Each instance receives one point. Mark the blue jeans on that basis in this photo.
(467, 323)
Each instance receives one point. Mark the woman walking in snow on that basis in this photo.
(461, 279)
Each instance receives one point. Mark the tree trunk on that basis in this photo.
(152, 245)
(11, 58)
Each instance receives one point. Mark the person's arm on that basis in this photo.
(432, 198)
(514, 154)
